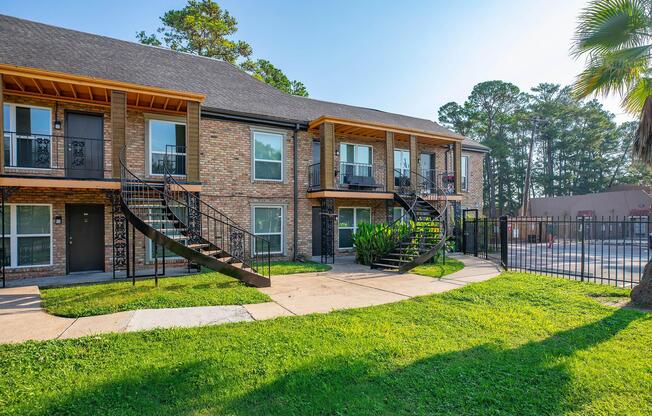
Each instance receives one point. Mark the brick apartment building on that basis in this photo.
(81, 111)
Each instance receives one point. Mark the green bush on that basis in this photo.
(372, 240)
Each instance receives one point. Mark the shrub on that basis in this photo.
(372, 240)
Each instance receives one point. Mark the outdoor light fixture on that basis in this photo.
(57, 123)
(58, 220)
(337, 152)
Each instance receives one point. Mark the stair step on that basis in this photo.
(385, 266)
(388, 260)
(196, 246)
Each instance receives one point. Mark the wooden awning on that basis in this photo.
(73, 88)
(361, 128)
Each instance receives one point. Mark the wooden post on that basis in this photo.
(457, 164)
(327, 150)
(413, 160)
(389, 149)
(192, 140)
(118, 129)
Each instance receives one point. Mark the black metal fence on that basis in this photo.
(602, 250)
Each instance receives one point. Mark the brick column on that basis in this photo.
(389, 157)
(192, 140)
(457, 164)
(118, 128)
(327, 163)
(413, 160)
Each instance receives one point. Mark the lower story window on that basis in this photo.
(268, 223)
(348, 221)
(28, 235)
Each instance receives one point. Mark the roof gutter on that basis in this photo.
(247, 118)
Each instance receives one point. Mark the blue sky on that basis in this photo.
(408, 57)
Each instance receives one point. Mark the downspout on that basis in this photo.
(295, 169)
(448, 149)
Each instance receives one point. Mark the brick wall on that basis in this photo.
(473, 197)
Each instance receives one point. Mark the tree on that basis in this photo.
(616, 37)
(542, 143)
(203, 28)
(268, 73)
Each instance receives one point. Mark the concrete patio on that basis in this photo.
(347, 285)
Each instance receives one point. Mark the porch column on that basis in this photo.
(118, 128)
(2, 126)
(413, 160)
(192, 143)
(457, 164)
(389, 149)
(327, 148)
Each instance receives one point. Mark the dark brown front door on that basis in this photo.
(84, 145)
(85, 237)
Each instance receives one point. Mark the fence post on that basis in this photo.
(476, 224)
(503, 241)
(486, 239)
(582, 255)
(464, 231)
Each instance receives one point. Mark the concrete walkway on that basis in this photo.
(347, 285)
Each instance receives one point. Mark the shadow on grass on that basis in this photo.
(484, 379)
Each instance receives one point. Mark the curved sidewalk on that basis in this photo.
(345, 286)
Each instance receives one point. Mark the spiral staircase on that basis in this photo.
(179, 220)
(420, 233)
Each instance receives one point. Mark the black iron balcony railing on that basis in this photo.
(432, 181)
(314, 176)
(74, 157)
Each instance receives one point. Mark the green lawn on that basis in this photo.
(291, 267)
(203, 289)
(514, 345)
(439, 268)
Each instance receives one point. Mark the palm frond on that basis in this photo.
(610, 25)
(613, 72)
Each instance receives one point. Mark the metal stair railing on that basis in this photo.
(240, 245)
(409, 236)
(206, 223)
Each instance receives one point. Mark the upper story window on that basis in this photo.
(355, 160)
(465, 173)
(268, 156)
(167, 136)
(27, 136)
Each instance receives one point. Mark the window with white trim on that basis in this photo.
(27, 136)
(167, 136)
(398, 213)
(348, 220)
(465, 173)
(355, 160)
(28, 235)
(268, 223)
(268, 156)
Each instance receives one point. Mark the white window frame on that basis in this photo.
(355, 223)
(464, 174)
(253, 226)
(401, 215)
(149, 144)
(12, 129)
(355, 162)
(401, 168)
(13, 236)
(282, 135)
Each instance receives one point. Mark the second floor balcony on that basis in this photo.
(50, 155)
(348, 176)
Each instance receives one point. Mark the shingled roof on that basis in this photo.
(226, 87)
